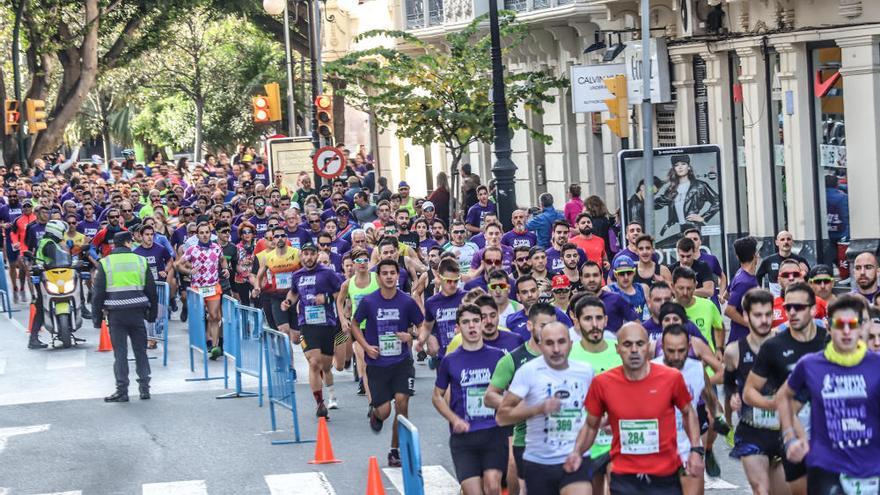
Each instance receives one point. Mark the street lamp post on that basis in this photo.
(275, 7)
(503, 169)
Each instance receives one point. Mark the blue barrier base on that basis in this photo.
(236, 395)
(205, 362)
(286, 442)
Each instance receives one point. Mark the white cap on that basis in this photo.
(97, 159)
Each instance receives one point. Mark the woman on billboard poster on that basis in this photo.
(687, 199)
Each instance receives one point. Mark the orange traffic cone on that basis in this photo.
(104, 342)
(323, 447)
(31, 319)
(374, 478)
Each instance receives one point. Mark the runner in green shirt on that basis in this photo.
(540, 314)
(588, 316)
(702, 312)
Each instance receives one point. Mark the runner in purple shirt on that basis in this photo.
(746, 250)
(391, 318)
(477, 213)
(478, 446)
(439, 328)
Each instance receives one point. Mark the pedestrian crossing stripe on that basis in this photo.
(192, 487)
(299, 484)
(437, 480)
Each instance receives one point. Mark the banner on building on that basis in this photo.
(687, 193)
(588, 91)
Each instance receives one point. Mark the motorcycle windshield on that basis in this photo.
(61, 259)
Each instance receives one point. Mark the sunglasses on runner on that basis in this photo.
(224, 231)
(499, 286)
(360, 260)
(821, 281)
(841, 323)
(796, 307)
(789, 275)
(450, 279)
(493, 262)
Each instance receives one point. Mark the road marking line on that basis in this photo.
(437, 480)
(718, 484)
(192, 487)
(299, 484)
(62, 359)
(72, 492)
(6, 433)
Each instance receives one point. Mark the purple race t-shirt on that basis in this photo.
(617, 310)
(506, 258)
(467, 374)
(157, 256)
(844, 413)
(506, 341)
(260, 224)
(440, 309)
(307, 284)
(88, 227)
(384, 318)
(742, 282)
(477, 212)
(516, 239)
(554, 259)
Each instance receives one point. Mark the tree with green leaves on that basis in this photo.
(68, 44)
(441, 94)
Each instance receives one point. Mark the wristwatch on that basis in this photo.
(699, 450)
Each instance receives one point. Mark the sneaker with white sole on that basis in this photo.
(332, 403)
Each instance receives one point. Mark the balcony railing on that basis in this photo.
(530, 5)
(427, 13)
(415, 13)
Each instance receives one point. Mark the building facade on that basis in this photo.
(788, 89)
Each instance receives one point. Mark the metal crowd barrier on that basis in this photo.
(410, 456)
(196, 327)
(243, 342)
(5, 303)
(282, 381)
(159, 329)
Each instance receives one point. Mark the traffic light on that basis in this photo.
(36, 115)
(12, 117)
(324, 106)
(618, 106)
(273, 94)
(261, 109)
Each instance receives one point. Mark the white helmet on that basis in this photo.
(56, 229)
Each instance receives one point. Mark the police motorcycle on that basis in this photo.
(57, 279)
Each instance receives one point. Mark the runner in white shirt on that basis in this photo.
(548, 393)
(676, 346)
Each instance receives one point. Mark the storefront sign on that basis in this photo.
(661, 91)
(588, 92)
(686, 185)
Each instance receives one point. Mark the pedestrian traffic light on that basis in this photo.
(618, 106)
(324, 108)
(261, 109)
(273, 94)
(36, 115)
(12, 117)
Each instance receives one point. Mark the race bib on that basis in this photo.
(282, 280)
(603, 438)
(474, 407)
(860, 486)
(563, 426)
(389, 345)
(208, 291)
(639, 436)
(762, 418)
(316, 315)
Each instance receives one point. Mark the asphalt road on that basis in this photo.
(58, 436)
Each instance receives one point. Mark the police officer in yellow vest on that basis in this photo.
(124, 289)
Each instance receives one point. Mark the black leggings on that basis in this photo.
(244, 292)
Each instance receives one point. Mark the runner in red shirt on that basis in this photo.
(644, 455)
(593, 245)
(789, 273)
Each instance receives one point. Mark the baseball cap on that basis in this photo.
(820, 272)
(624, 264)
(428, 205)
(343, 206)
(325, 187)
(403, 184)
(308, 246)
(560, 281)
(121, 237)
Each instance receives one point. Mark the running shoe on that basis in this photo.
(361, 390)
(720, 426)
(375, 423)
(215, 352)
(712, 467)
(332, 403)
(394, 458)
(321, 411)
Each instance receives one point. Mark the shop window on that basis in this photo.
(777, 140)
(829, 130)
(739, 156)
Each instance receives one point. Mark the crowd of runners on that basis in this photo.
(569, 358)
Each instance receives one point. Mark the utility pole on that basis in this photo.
(16, 75)
(647, 118)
